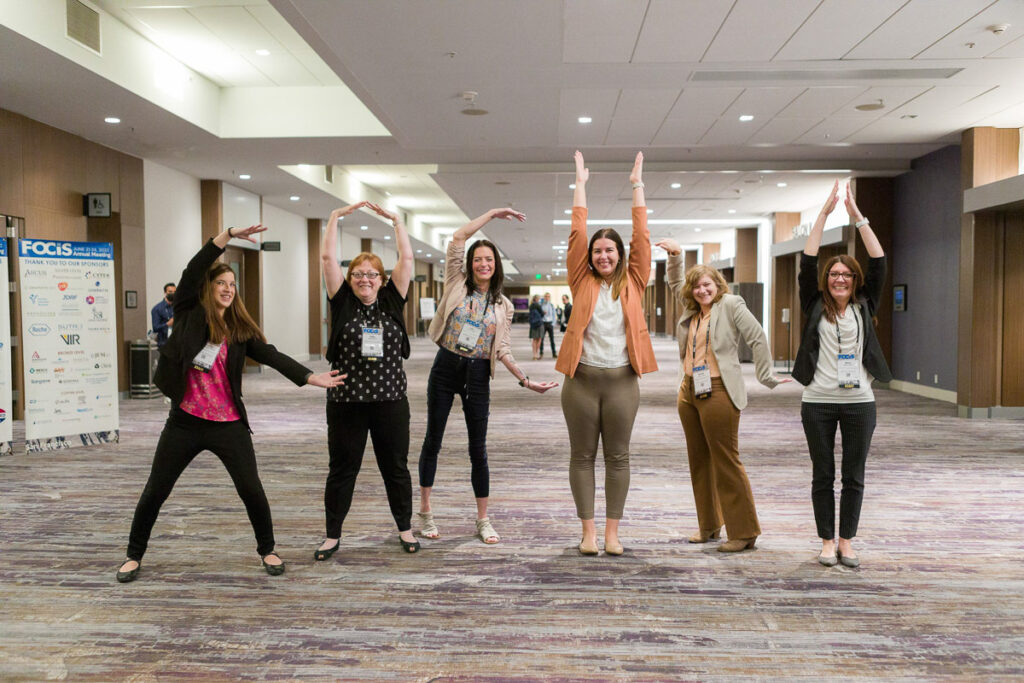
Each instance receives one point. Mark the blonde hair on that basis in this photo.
(693, 275)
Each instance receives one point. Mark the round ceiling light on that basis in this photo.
(871, 106)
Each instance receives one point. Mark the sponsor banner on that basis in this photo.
(70, 346)
(6, 427)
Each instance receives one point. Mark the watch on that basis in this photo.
(524, 380)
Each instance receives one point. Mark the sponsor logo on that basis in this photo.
(62, 402)
(100, 275)
(3, 415)
(62, 286)
(97, 314)
(49, 248)
(30, 272)
(37, 371)
(36, 356)
(70, 339)
(83, 410)
(69, 298)
(39, 381)
(90, 299)
(69, 327)
(38, 300)
(39, 329)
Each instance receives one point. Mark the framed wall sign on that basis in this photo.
(96, 205)
(131, 299)
(899, 297)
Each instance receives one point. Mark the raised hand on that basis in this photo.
(247, 233)
(382, 212)
(782, 380)
(327, 380)
(582, 172)
(541, 387)
(669, 245)
(506, 214)
(833, 199)
(346, 210)
(636, 175)
(851, 207)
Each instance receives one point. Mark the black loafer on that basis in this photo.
(130, 575)
(321, 555)
(408, 547)
(272, 569)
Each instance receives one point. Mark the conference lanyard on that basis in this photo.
(702, 374)
(372, 346)
(848, 365)
(469, 337)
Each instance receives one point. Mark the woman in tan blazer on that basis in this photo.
(472, 328)
(711, 396)
(605, 349)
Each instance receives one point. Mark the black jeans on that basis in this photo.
(856, 422)
(183, 438)
(387, 423)
(549, 329)
(470, 378)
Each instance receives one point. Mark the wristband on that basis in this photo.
(637, 186)
(524, 380)
(861, 223)
(230, 236)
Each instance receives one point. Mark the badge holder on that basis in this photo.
(205, 359)
(373, 343)
(849, 371)
(470, 336)
(702, 382)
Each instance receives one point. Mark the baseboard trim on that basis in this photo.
(922, 390)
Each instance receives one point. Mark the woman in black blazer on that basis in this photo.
(200, 370)
(838, 359)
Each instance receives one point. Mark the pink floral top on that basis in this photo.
(208, 394)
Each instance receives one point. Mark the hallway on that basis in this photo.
(940, 591)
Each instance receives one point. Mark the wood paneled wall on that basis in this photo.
(745, 263)
(710, 248)
(313, 236)
(1012, 390)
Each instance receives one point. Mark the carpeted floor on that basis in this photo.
(940, 593)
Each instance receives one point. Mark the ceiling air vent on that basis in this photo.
(83, 24)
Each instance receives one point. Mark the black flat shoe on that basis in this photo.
(321, 555)
(130, 575)
(408, 547)
(272, 569)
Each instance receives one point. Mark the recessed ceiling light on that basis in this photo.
(387, 237)
(585, 119)
(568, 211)
(732, 210)
(871, 106)
(475, 111)
(419, 251)
(746, 117)
(294, 198)
(364, 227)
(650, 210)
(263, 52)
(563, 241)
(696, 229)
(442, 260)
(572, 186)
(676, 186)
(112, 119)
(430, 256)
(244, 176)
(780, 184)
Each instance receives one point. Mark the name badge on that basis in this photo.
(204, 359)
(702, 382)
(469, 336)
(849, 371)
(373, 342)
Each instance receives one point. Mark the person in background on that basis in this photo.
(548, 309)
(473, 331)
(838, 359)
(163, 315)
(566, 311)
(536, 326)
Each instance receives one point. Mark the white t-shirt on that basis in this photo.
(824, 388)
(604, 340)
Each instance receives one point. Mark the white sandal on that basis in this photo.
(485, 531)
(428, 529)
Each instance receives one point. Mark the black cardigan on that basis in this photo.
(811, 303)
(191, 333)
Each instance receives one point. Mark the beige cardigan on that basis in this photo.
(455, 291)
(730, 321)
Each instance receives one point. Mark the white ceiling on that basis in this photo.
(670, 77)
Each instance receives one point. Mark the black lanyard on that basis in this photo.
(707, 340)
(839, 339)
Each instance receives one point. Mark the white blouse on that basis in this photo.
(604, 340)
(824, 388)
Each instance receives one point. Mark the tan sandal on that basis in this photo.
(486, 532)
(428, 529)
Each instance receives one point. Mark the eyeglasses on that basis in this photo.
(841, 276)
(360, 275)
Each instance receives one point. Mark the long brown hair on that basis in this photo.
(497, 277)
(831, 306)
(619, 274)
(694, 274)
(236, 325)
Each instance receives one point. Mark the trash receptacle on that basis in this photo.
(142, 357)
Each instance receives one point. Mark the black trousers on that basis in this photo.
(183, 438)
(387, 423)
(549, 330)
(470, 378)
(856, 422)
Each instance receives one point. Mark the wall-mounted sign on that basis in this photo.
(96, 205)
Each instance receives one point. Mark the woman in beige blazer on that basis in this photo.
(711, 396)
(472, 328)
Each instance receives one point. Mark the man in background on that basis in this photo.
(163, 315)
(549, 324)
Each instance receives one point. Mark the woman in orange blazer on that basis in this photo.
(605, 350)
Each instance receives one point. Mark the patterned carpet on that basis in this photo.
(940, 593)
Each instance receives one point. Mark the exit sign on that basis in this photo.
(538, 276)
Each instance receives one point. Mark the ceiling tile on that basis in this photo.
(282, 69)
(762, 103)
(892, 96)
(597, 103)
(938, 100)
(782, 131)
(835, 27)
(975, 32)
(728, 131)
(916, 26)
(820, 102)
(1014, 50)
(695, 101)
(678, 31)
(756, 29)
(832, 131)
(645, 103)
(316, 66)
(603, 32)
(683, 131)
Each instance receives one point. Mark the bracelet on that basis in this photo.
(230, 236)
(524, 380)
(637, 186)
(861, 223)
